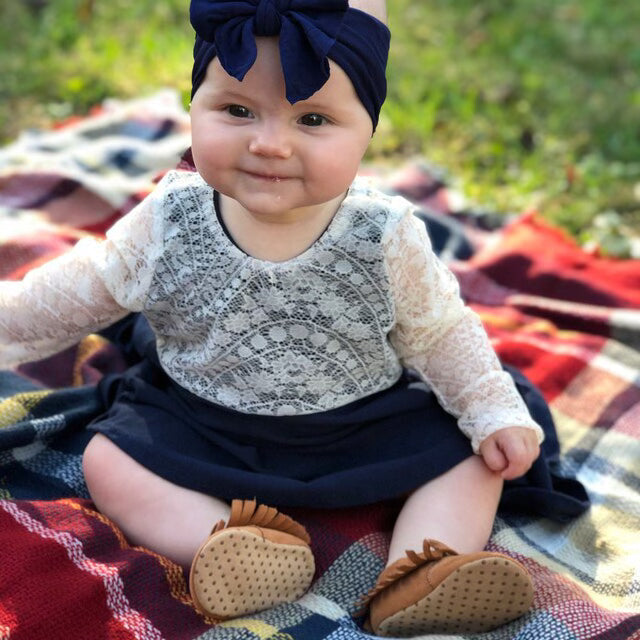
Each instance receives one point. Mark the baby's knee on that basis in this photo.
(99, 463)
(92, 456)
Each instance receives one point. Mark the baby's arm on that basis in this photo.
(54, 306)
(442, 339)
(85, 289)
(510, 451)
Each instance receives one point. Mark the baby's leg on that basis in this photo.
(449, 585)
(457, 508)
(151, 511)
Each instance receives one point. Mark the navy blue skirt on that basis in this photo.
(377, 448)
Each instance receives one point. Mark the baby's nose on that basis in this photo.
(271, 139)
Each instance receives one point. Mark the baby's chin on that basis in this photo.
(282, 207)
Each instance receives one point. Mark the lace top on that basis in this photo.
(332, 325)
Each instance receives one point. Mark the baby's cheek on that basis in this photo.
(339, 170)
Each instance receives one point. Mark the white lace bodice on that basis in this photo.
(330, 326)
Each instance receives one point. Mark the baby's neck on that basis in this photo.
(276, 239)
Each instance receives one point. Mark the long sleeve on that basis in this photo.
(444, 340)
(89, 287)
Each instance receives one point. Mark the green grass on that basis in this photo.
(72, 54)
(528, 103)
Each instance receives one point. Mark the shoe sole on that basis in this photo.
(237, 572)
(478, 596)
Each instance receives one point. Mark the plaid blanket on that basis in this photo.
(568, 319)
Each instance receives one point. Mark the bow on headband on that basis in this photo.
(310, 31)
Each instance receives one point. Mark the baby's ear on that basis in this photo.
(375, 8)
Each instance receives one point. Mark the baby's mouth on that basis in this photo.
(268, 177)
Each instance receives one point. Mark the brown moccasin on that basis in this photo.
(259, 559)
(441, 591)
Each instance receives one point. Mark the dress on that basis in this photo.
(335, 378)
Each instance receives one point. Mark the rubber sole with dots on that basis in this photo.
(240, 571)
(478, 596)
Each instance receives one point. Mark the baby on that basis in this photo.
(308, 347)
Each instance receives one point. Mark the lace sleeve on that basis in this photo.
(85, 289)
(445, 342)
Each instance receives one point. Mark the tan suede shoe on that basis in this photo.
(440, 591)
(259, 559)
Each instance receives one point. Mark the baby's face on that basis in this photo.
(273, 157)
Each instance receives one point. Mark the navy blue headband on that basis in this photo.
(311, 32)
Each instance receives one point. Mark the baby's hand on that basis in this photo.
(510, 451)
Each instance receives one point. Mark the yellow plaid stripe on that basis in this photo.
(18, 406)
(261, 629)
(86, 348)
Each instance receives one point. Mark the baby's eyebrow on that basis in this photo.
(316, 106)
(228, 94)
(332, 110)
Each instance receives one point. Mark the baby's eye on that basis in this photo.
(313, 120)
(238, 111)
